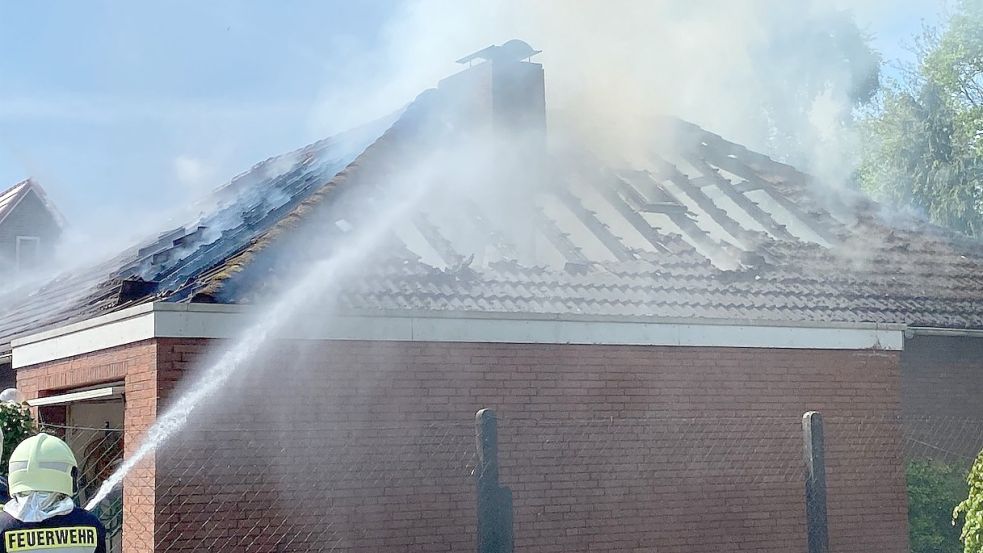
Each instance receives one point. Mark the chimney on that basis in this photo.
(502, 96)
(501, 90)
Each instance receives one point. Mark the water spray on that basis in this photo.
(324, 275)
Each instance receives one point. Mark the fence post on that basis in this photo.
(494, 500)
(815, 466)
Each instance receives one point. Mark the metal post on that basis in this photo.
(494, 500)
(815, 466)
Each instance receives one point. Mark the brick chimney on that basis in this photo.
(501, 90)
(502, 96)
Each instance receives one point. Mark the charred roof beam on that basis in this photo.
(437, 241)
(595, 226)
(499, 239)
(747, 186)
(747, 239)
(810, 221)
(614, 197)
(681, 218)
(665, 208)
(713, 178)
(560, 240)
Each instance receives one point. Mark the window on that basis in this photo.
(28, 251)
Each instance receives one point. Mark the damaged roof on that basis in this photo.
(705, 229)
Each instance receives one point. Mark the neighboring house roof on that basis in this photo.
(707, 230)
(11, 197)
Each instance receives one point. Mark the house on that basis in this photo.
(650, 336)
(30, 226)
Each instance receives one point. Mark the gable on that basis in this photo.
(30, 217)
(11, 198)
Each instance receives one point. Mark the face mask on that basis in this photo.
(38, 506)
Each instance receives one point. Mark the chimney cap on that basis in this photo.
(513, 50)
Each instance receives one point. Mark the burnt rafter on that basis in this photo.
(682, 219)
(594, 225)
(745, 186)
(712, 178)
(665, 208)
(560, 240)
(437, 241)
(747, 239)
(615, 194)
(821, 223)
(499, 239)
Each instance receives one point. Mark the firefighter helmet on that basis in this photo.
(42, 463)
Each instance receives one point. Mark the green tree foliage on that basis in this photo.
(17, 424)
(924, 146)
(934, 490)
(972, 510)
(822, 56)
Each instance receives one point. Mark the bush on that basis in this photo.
(934, 490)
(17, 424)
(972, 509)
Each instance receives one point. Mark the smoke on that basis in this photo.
(322, 256)
(611, 69)
(194, 173)
(779, 77)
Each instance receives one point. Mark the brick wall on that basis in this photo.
(362, 446)
(135, 364)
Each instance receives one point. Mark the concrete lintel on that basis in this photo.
(170, 320)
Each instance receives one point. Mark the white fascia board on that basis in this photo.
(169, 320)
(108, 331)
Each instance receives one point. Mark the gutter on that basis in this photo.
(912, 331)
(138, 311)
(216, 321)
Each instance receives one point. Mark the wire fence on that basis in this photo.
(99, 451)
(647, 483)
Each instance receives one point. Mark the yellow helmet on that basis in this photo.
(42, 463)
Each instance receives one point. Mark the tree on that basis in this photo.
(934, 490)
(17, 424)
(924, 146)
(824, 56)
(972, 509)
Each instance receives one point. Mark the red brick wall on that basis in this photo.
(365, 446)
(135, 364)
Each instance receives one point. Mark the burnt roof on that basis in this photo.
(706, 229)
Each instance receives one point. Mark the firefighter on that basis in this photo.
(41, 515)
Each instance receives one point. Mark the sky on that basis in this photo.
(125, 112)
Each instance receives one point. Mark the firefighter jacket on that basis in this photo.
(76, 532)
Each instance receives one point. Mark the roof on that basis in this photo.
(704, 229)
(11, 197)
(238, 211)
